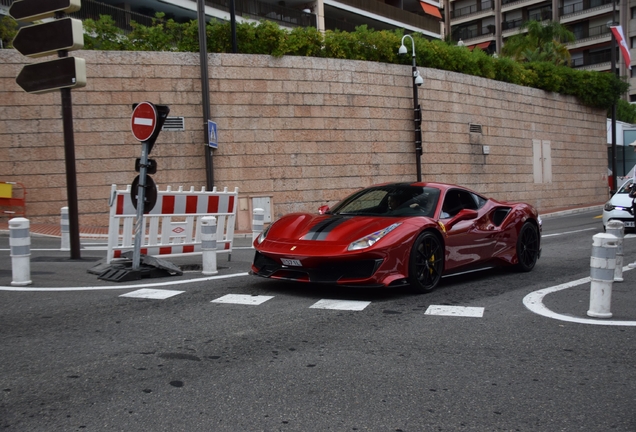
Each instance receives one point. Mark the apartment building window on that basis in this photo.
(632, 40)
(633, 12)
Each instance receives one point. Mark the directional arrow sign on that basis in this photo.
(65, 72)
(48, 38)
(33, 10)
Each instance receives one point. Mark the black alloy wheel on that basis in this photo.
(426, 262)
(527, 247)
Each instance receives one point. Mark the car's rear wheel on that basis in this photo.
(527, 247)
(426, 262)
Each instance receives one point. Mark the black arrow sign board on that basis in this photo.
(48, 38)
(33, 10)
(66, 72)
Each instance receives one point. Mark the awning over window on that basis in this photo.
(481, 46)
(431, 10)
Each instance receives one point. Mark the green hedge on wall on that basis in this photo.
(595, 89)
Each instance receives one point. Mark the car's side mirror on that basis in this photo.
(464, 214)
(323, 209)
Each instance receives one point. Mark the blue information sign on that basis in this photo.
(212, 137)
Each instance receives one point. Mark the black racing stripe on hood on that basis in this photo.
(321, 230)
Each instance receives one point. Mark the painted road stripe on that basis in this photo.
(534, 302)
(350, 305)
(152, 294)
(243, 299)
(118, 287)
(459, 311)
(568, 232)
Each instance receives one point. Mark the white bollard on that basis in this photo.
(64, 230)
(20, 243)
(208, 245)
(258, 218)
(617, 229)
(602, 265)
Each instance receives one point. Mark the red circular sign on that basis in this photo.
(144, 121)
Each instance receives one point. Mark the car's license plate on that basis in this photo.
(629, 224)
(291, 262)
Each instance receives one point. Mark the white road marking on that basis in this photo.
(534, 302)
(243, 299)
(350, 305)
(118, 287)
(461, 311)
(568, 232)
(152, 294)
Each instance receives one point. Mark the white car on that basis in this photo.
(619, 207)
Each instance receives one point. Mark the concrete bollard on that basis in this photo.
(20, 243)
(602, 265)
(617, 229)
(208, 245)
(64, 230)
(257, 223)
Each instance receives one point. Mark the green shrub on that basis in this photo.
(595, 89)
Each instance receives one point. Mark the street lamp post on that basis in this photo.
(417, 112)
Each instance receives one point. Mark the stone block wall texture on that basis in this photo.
(304, 131)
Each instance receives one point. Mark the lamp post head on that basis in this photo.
(418, 78)
(402, 49)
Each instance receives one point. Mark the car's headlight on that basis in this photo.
(371, 239)
(609, 206)
(262, 235)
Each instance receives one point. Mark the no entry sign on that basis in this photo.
(144, 121)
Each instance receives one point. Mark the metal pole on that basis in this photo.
(613, 48)
(233, 26)
(141, 198)
(205, 93)
(417, 118)
(69, 156)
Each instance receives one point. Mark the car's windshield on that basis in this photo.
(391, 200)
(624, 189)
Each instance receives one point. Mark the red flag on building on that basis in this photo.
(617, 31)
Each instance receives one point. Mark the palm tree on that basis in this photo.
(541, 42)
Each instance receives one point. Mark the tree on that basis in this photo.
(8, 29)
(541, 42)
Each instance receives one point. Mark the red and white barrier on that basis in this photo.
(173, 226)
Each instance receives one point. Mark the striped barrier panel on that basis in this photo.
(173, 226)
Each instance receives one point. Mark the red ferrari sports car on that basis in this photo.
(399, 234)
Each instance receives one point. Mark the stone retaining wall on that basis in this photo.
(303, 131)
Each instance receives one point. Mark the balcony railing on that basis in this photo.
(595, 31)
(541, 15)
(468, 33)
(246, 8)
(469, 10)
(582, 6)
(593, 59)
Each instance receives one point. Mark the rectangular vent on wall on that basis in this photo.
(174, 124)
(474, 128)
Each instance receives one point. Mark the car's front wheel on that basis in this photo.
(426, 262)
(527, 247)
